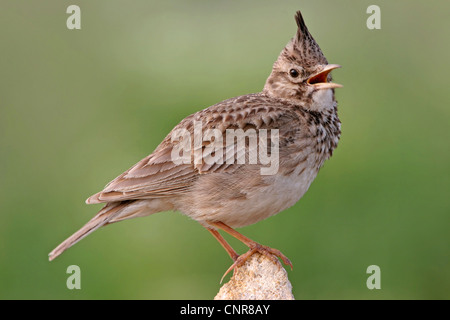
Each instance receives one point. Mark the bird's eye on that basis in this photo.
(294, 73)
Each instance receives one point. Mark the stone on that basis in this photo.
(259, 278)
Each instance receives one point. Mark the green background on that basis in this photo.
(78, 107)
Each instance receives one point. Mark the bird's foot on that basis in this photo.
(266, 251)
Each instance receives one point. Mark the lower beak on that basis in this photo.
(320, 80)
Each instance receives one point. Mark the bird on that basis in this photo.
(297, 106)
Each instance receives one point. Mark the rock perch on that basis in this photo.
(259, 278)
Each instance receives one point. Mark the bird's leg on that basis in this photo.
(224, 244)
(254, 247)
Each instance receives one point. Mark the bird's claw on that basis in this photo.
(268, 252)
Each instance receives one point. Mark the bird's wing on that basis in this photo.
(159, 176)
(155, 176)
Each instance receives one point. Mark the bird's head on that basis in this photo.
(302, 73)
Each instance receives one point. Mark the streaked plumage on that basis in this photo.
(300, 104)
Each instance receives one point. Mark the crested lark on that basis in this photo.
(297, 103)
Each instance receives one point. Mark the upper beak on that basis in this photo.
(319, 80)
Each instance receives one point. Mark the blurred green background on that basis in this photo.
(78, 107)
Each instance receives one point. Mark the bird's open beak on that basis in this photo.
(320, 80)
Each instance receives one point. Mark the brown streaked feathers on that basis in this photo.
(297, 101)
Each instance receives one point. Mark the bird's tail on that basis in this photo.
(104, 216)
